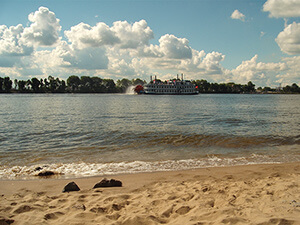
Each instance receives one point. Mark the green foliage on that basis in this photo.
(5, 85)
(86, 84)
(291, 89)
(206, 87)
(73, 82)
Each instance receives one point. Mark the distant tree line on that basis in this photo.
(206, 87)
(86, 84)
(74, 84)
(293, 89)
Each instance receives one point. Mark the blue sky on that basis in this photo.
(217, 40)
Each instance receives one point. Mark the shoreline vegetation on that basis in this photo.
(86, 84)
(250, 194)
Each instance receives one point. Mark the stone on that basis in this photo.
(6, 221)
(72, 186)
(38, 168)
(108, 183)
(46, 174)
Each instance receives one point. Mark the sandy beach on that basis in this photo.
(253, 194)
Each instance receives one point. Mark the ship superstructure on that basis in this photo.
(170, 87)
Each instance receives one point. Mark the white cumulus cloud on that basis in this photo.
(289, 39)
(212, 62)
(11, 43)
(123, 50)
(121, 35)
(292, 74)
(175, 48)
(83, 35)
(44, 30)
(89, 58)
(237, 15)
(257, 72)
(132, 35)
(282, 8)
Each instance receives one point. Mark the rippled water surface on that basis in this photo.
(96, 134)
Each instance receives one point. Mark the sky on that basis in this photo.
(216, 40)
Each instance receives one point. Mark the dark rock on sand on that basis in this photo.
(72, 186)
(46, 173)
(38, 168)
(108, 183)
(5, 221)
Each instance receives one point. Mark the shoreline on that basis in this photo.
(247, 194)
(58, 179)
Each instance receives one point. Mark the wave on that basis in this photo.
(82, 169)
(206, 140)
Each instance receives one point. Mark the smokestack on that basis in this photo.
(151, 78)
(182, 76)
(155, 77)
(177, 77)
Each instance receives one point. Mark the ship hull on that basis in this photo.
(147, 93)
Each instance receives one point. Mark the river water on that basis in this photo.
(77, 135)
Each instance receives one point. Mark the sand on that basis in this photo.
(254, 194)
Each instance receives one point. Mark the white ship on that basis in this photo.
(170, 87)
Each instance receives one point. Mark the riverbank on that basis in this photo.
(253, 194)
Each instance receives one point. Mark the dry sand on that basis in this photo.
(255, 194)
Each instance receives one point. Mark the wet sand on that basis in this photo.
(253, 194)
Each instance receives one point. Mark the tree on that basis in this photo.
(60, 86)
(110, 86)
(52, 84)
(86, 84)
(295, 88)
(35, 84)
(21, 85)
(7, 84)
(46, 85)
(138, 81)
(250, 87)
(1, 84)
(123, 84)
(97, 85)
(203, 85)
(16, 84)
(73, 82)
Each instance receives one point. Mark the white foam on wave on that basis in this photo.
(82, 169)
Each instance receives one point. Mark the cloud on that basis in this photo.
(282, 8)
(44, 30)
(11, 43)
(83, 35)
(257, 72)
(16, 42)
(121, 34)
(289, 39)
(212, 62)
(292, 74)
(170, 47)
(121, 67)
(89, 58)
(237, 15)
(151, 51)
(175, 48)
(132, 35)
(124, 50)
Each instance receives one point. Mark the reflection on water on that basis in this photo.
(111, 128)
